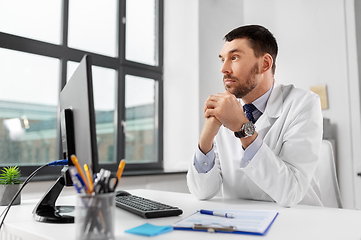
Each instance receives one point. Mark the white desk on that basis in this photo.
(300, 222)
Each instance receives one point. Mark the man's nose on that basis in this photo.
(226, 67)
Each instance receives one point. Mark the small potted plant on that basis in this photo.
(9, 185)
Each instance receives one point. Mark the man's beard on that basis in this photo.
(246, 88)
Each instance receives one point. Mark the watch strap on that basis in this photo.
(243, 132)
(239, 134)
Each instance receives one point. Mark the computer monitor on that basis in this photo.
(77, 103)
(78, 133)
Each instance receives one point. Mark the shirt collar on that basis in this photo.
(261, 102)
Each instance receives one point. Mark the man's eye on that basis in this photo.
(234, 57)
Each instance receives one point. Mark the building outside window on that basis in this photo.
(41, 44)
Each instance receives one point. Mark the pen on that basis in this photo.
(106, 181)
(80, 180)
(120, 169)
(98, 183)
(219, 214)
(89, 177)
(76, 183)
(80, 171)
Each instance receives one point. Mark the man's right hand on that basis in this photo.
(210, 130)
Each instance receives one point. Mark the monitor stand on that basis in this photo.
(47, 211)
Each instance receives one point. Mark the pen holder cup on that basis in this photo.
(94, 216)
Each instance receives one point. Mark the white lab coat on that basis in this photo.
(283, 168)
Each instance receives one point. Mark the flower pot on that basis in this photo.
(7, 192)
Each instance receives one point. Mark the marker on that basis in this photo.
(120, 169)
(107, 174)
(76, 183)
(219, 214)
(80, 171)
(89, 177)
(99, 181)
(81, 182)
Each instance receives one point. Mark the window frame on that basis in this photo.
(123, 68)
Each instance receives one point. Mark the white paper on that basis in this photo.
(255, 221)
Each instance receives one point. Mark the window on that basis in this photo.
(39, 51)
(140, 115)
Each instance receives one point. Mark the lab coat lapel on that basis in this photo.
(272, 111)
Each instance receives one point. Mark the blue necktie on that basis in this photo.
(249, 108)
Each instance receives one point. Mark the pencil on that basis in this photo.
(89, 177)
(80, 171)
(120, 169)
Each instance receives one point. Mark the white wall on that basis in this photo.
(353, 19)
(181, 70)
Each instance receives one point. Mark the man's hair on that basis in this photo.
(259, 39)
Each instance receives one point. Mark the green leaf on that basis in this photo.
(10, 175)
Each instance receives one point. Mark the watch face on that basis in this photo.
(248, 129)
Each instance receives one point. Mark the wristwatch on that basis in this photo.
(247, 130)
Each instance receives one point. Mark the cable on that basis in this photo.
(59, 162)
(27, 180)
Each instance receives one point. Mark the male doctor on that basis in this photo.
(260, 140)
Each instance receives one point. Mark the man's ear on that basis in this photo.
(267, 62)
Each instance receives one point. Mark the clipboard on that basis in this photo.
(255, 222)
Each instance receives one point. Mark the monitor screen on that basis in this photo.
(77, 123)
(77, 116)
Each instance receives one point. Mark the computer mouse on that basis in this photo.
(122, 193)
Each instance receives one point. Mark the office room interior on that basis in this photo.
(319, 44)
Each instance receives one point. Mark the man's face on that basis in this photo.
(240, 67)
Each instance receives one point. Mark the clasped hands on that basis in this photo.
(224, 109)
(220, 109)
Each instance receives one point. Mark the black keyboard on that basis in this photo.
(144, 207)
